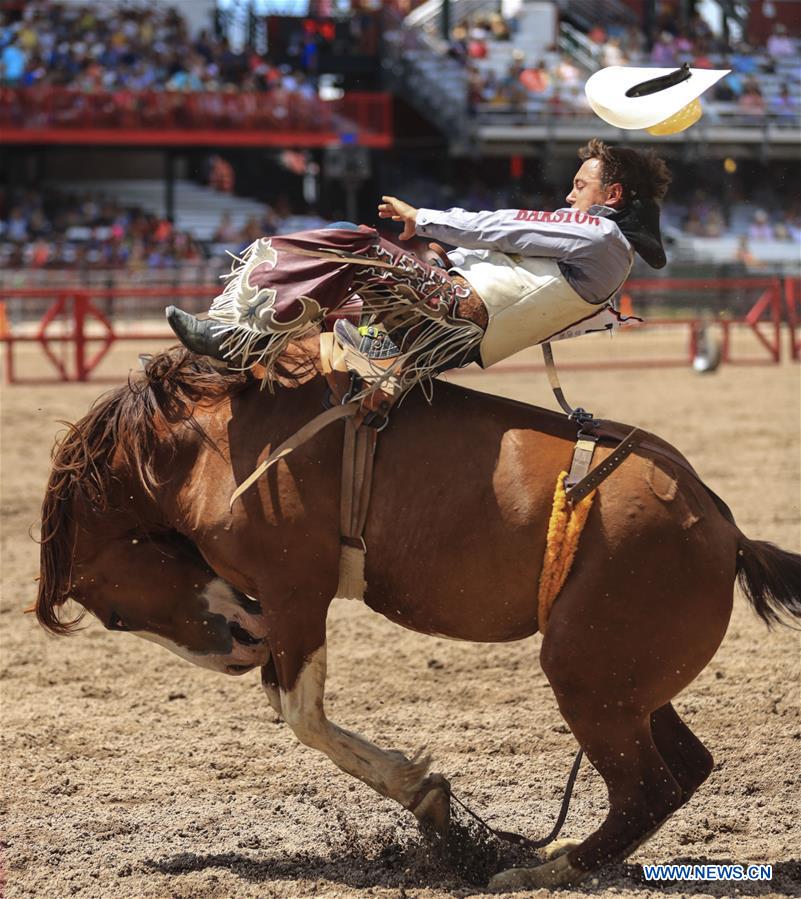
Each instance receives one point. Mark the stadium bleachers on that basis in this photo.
(482, 89)
(197, 209)
(531, 79)
(123, 224)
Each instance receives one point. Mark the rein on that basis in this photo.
(509, 836)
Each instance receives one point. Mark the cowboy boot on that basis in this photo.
(196, 335)
(369, 352)
(370, 342)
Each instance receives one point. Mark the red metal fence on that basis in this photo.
(74, 320)
(204, 118)
(73, 310)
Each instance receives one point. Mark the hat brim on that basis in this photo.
(606, 94)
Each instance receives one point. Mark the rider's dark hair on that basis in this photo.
(642, 174)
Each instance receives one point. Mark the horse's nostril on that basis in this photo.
(242, 636)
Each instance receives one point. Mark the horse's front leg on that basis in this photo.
(300, 701)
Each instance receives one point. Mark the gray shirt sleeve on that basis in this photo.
(592, 252)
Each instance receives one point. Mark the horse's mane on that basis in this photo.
(126, 424)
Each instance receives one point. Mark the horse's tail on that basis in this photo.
(770, 577)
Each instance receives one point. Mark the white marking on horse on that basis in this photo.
(221, 599)
(204, 660)
(390, 773)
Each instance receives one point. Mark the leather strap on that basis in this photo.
(348, 475)
(582, 459)
(599, 474)
(367, 438)
(553, 379)
(358, 453)
(615, 431)
(329, 416)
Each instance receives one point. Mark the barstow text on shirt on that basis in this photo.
(580, 218)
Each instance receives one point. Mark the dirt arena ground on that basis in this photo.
(129, 773)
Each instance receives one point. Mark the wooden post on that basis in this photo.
(79, 303)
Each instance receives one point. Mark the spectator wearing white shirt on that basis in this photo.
(16, 227)
(760, 228)
(784, 104)
(779, 43)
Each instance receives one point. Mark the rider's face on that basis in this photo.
(587, 188)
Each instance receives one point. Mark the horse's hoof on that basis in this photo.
(552, 874)
(558, 847)
(432, 804)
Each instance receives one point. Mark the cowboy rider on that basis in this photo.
(533, 274)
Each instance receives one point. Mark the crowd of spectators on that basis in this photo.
(557, 81)
(704, 216)
(697, 43)
(555, 77)
(54, 229)
(51, 229)
(113, 48)
(470, 43)
(470, 39)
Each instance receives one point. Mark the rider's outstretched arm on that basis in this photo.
(558, 235)
(591, 250)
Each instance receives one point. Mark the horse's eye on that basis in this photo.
(115, 623)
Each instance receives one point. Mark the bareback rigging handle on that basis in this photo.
(579, 415)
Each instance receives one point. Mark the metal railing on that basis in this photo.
(428, 15)
(588, 13)
(577, 45)
(416, 64)
(75, 329)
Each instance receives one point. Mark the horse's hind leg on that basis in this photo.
(690, 762)
(642, 794)
(612, 680)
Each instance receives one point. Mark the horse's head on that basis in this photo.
(160, 588)
(106, 543)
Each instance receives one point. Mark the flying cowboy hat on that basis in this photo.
(662, 101)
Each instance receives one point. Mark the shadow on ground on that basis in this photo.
(417, 865)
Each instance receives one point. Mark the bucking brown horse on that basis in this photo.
(137, 529)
